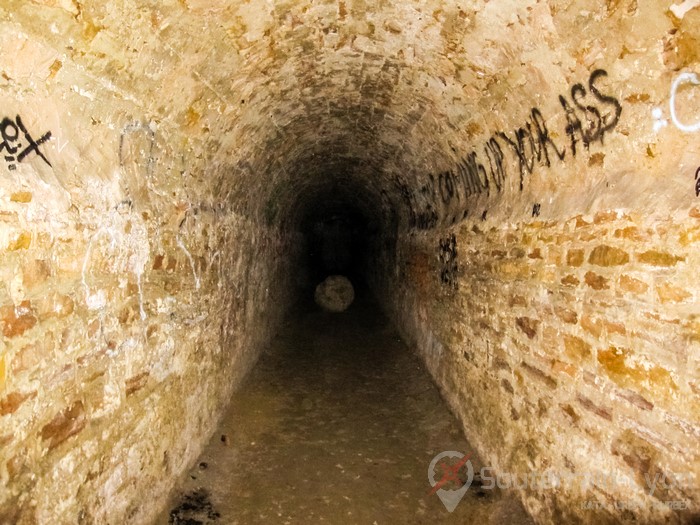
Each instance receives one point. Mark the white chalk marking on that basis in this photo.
(679, 10)
(682, 79)
(191, 259)
(659, 120)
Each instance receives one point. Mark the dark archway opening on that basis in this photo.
(339, 235)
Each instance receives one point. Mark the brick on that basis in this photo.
(592, 235)
(35, 273)
(614, 328)
(589, 405)
(595, 281)
(605, 255)
(17, 319)
(630, 284)
(580, 222)
(499, 363)
(158, 262)
(528, 326)
(128, 314)
(689, 236)
(672, 294)
(605, 216)
(136, 383)
(574, 258)
(22, 242)
(55, 306)
(13, 401)
(643, 458)
(510, 238)
(550, 338)
(554, 256)
(635, 398)
(570, 280)
(576, 348)
(566, 315)
(172, 264)
(535, 254)
(21, 197)
(592, 326)
(517, 300)
(562, 367)
(64, 425)
(656, 258)
(596, 159)
(687, 427)
(614, 362)
(507, 386)
(539, 374)
(15, 465)
(632, 233)
(569, 411)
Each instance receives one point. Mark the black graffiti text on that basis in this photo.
(12, 142)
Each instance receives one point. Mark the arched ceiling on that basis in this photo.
(296, 100)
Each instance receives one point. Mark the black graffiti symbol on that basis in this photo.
(9, 131)
(597, 124)
(448, 261)
(697, 182)
(446, 185)
(532, 142)
(589, 115)
(495, 155)
(536, 210)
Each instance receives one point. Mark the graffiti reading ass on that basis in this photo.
(12, 142)
(590, 115)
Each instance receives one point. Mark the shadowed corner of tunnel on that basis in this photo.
(342, 226)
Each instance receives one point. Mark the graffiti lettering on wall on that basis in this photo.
(657, 114)
(590, 115)
(448, 261)
(17, 144)
(683, 78)
(697, 182)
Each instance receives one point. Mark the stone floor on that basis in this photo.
(337, 423)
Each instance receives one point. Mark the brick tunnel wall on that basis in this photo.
(550, 281)
(531, 166)
(135, 297)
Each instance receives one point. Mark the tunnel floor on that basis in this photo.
(337, 423)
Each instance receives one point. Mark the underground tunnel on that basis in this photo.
(511, 186)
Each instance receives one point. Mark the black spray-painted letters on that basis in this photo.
(12, 142)
(589, 115)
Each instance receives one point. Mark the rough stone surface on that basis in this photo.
(527, 171)
(335, 293)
